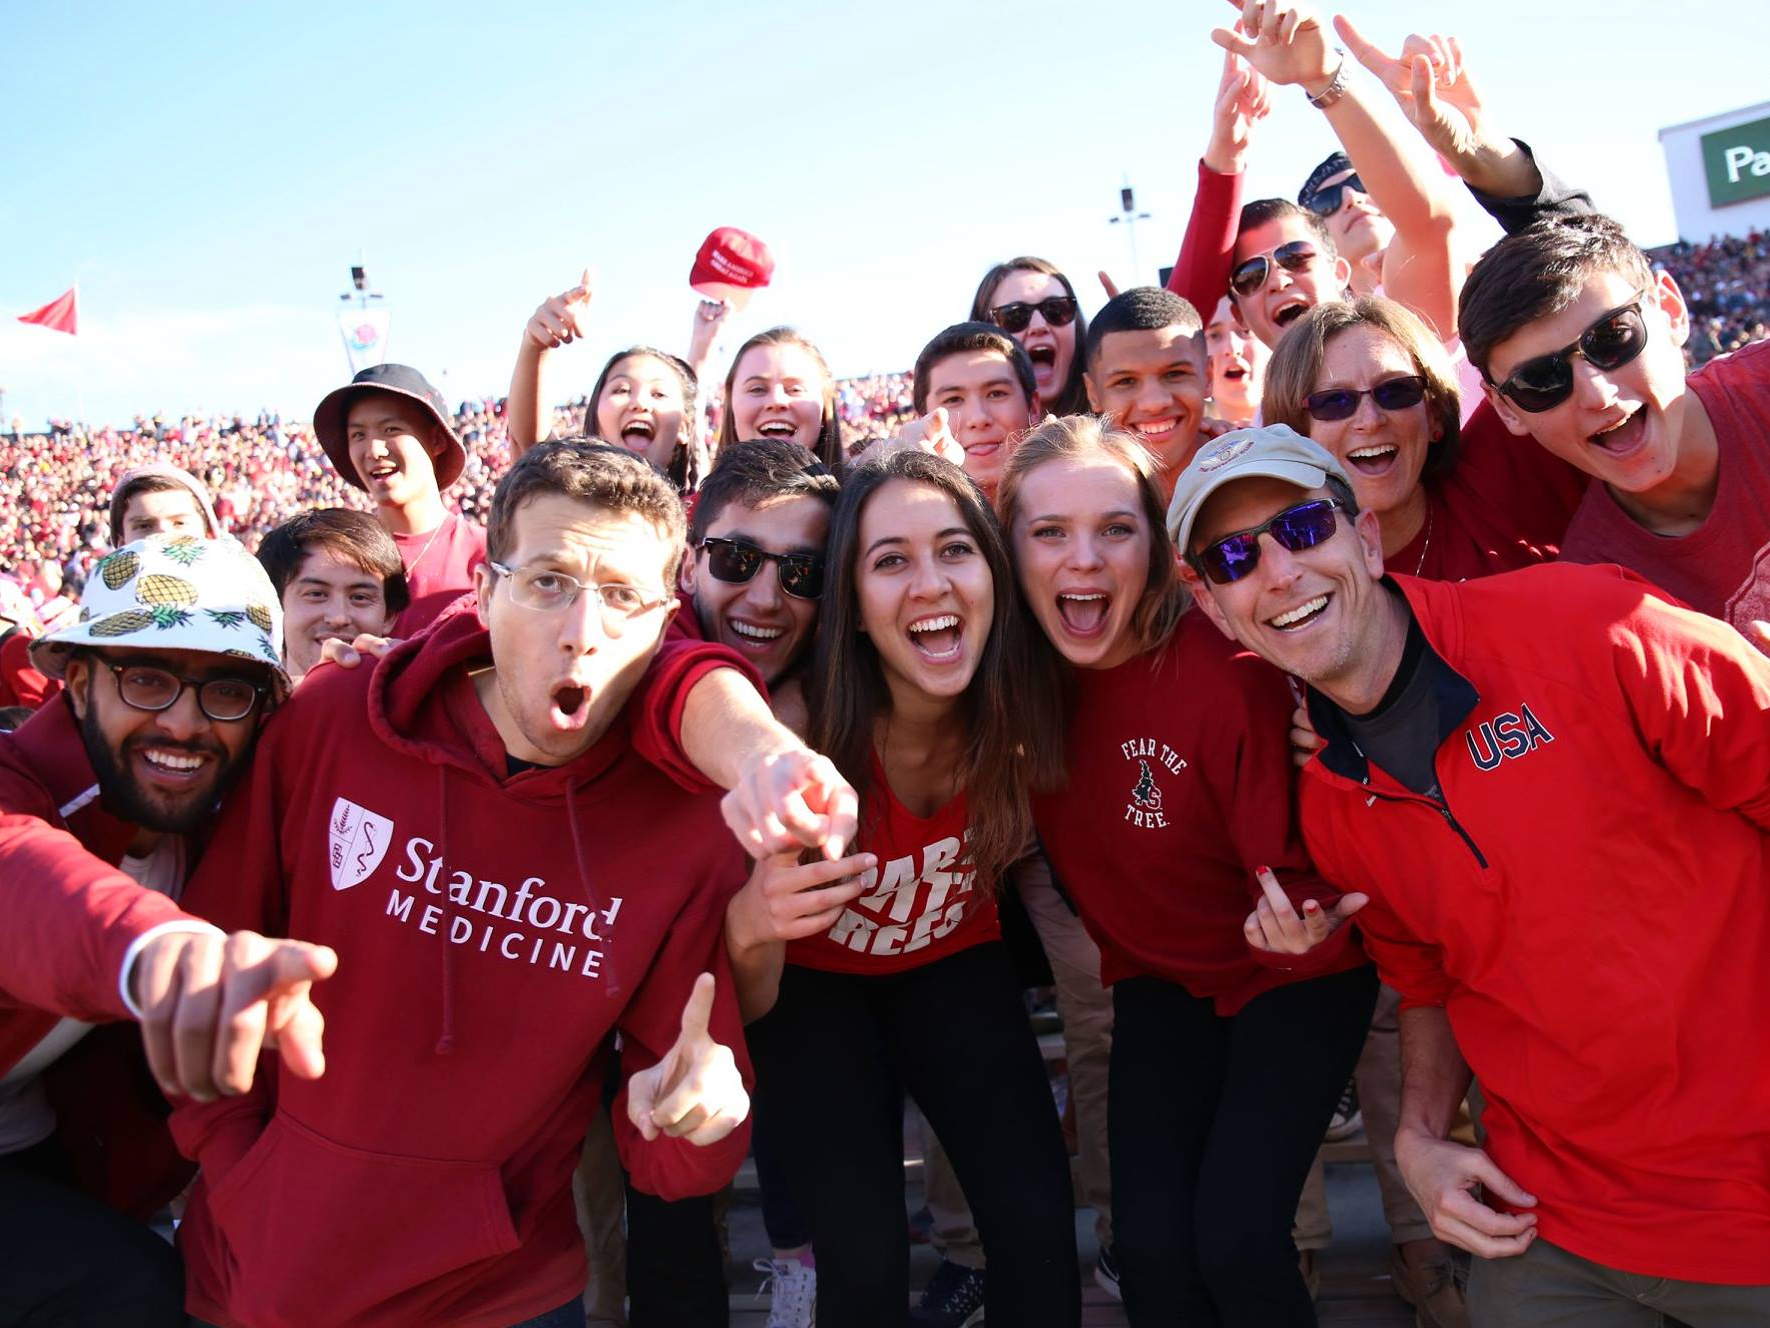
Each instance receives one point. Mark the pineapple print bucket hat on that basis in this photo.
(176, 592)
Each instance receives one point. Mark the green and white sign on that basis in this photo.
(1737, 162)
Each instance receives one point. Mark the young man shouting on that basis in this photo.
(1580, 343)
(507, 883)
(1563, 836)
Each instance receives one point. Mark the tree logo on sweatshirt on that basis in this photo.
(1144, 807)
(1147, 794)
(359, 840)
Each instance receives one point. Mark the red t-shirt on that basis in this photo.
(439, 569)
(1722, 568)
(1505, 505)
(1180, 785)
(920, 904)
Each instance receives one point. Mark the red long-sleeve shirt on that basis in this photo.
(1201, 272)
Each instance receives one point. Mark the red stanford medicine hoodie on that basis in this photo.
(492, 932)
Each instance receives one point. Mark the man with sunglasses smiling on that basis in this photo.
(1553, 787)
(1579, 341)
(756, 565)
(105, 797)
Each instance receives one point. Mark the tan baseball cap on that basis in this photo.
(1272, 451)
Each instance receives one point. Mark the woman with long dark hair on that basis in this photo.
(1175, 828)
(922, 673)
(1030, 300)
(643, 400)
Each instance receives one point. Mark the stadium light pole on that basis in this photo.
(363, 328)
(1129, 215)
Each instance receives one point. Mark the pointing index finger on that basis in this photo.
(699, 1010)
(1363, 49)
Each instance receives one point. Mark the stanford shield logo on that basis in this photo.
(359, 840)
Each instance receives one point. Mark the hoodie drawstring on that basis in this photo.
(612, 973)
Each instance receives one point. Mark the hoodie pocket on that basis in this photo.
(319, 1233)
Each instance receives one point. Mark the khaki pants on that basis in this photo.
(600, 1195)
(1378, 1078)
(1086, 1009)
(1547, 1286)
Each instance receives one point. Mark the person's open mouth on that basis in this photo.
(569, 707)
(1289, 310)
(776, 429)
(173, 767)
(756, 637)
(1293, 620)
(638, 435)
(1374, 460)
(1623, 438)
(939, 638)
(1083, 612)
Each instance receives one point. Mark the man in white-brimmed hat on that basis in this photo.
(168, 674)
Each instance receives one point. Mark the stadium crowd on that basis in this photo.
(1728, 281)
(439, 844)
(55, 488)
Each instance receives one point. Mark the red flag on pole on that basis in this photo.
(59, 315)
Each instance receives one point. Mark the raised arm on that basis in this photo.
(560, 320)
(1201, 272)
(1288, 43)
(1431, 82)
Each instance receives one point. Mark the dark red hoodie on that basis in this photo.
(492, 932)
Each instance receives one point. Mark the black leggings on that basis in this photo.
(1213, 1123)
(833, 1060)
(67, 1261)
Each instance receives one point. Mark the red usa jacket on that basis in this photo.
(1589, 900)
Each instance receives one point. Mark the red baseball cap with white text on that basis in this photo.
(731, 265)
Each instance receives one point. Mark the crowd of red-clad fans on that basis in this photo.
(56, 486)
(1478, 549)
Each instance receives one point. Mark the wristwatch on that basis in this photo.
(1336, 87)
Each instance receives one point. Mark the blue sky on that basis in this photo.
(209, 173)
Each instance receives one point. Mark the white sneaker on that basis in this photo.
(795, 1292)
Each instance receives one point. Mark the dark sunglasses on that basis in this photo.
(1546, 381)
(1251, 275)
(1058, 311)
(1296, 528)
(735, 561)
(1341, 403)
(1327, 200)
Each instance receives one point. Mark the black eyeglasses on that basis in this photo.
(1296, 528)
(1017, 317)
(151, 688)
(1250, 276)
(736, 561)
(1328, 199)
(1341, 403)
(1544, 382)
